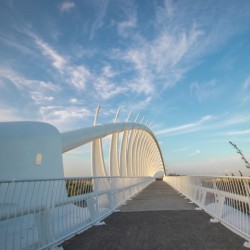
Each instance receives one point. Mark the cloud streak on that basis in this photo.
(246, 83)
(239, 132)
(186, 128)
(100, 8)
(76, 75)
(57, 60)
(67, 6)
(25, 84)
(205, 90)
(107, 90)
(8, 113)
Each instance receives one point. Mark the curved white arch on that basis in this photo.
(140, 154)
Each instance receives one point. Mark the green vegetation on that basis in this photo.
(79, 186)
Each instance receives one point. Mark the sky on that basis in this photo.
(182, 65)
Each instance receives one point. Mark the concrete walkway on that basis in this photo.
(157, 218)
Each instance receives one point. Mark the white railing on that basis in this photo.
(226, 199)
(40, 214)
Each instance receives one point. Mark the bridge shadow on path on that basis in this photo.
(157, 219)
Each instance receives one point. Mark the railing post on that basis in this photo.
(44, 227)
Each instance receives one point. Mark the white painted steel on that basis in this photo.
(226, 199)
(114, 155)
(34, 150)
(40, 214)
(127, 162)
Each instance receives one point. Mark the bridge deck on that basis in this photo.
(157, 218)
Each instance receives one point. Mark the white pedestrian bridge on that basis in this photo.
(40, 208)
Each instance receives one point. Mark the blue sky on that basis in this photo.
(183, 65)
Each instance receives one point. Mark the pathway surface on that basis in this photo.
(157, 219)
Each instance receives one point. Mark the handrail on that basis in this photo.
(226, 199)
(42, 213)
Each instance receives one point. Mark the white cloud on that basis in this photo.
(127, 10)
(107, 90)
(165, 13)
(164, 60)
(39, 91)
(236, 119)
(196, 152)
(239, 132)
(108, 72)
(125, 26)
(138, 57)
(186, 128)
(169, 7)
(100, 8)
(8, 113)
(67, 6)
(244, 100)
(40, 98)
(180, 149)
(246, 83)
(57, 60)
(62, 116)
(73, 100)
(142, 86)
(138, 105)
(10, 40)
(27, 84)
(204, 90)
(78, 76)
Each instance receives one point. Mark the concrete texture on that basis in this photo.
(158, 196)
(152, 228)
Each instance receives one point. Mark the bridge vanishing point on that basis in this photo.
(122, 208)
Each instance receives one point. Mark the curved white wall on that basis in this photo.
(33, 150)
(30, 150)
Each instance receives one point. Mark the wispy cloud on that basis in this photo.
(180, 149)
(142, 85)
(99, 8)
(61, 116)
(127, 10)
(137, 106)
(57, 60)
(196, 152)
(76, 75)
(8, 113)
(125, 26)
(40, 98)
(35, 91)
(66, 6)
(163, 61)
(10, 40)
(108, 72)
(246, 83)
(236, 119)
(29, 85)
(244, 94)
(239, 132)
(106, 90)
(204, 90)
(187, 128)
